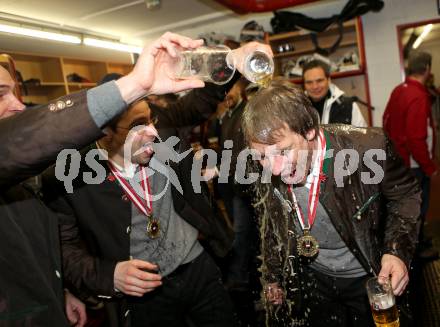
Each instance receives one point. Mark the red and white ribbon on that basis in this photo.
(144, 205)
(314, 187)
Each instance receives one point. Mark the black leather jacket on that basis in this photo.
(372, 219)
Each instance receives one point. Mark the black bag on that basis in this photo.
(252, 31)
(286, 21)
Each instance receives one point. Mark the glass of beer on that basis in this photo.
(382, 302)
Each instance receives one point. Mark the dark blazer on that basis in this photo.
(31, 291)
(96, 219)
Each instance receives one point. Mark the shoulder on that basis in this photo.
(411, 89)
(365, 138)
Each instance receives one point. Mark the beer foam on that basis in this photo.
(383, 302)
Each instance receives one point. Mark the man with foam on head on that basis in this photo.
(340, 207)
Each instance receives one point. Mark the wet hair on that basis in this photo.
(418, 62)
(315, 63)
(274, 107)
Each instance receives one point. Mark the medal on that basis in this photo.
(143, 204)
(307, 245)
(153, 227)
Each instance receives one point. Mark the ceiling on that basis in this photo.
(433, 36)
(126, 20)
(410, 35)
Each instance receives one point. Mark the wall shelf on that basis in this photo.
(343, 44)
(48, 74)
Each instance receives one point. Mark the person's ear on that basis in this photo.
(428, 70)
(310, 135)
(108, 137)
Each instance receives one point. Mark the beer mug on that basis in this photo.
(217, 64)
(382, 302)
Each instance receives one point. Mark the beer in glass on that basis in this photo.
(382, 302)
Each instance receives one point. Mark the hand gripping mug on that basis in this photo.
(382, 302)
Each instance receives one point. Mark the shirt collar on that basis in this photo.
(415, 83)
(126, 173)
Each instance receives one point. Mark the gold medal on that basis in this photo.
(144, 204)
(153, 227)
(307, 245)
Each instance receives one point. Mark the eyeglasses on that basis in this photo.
(140, 122)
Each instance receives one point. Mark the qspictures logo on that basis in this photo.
(168, 153)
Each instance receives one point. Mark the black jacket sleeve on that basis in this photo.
(83, 273)
(402, 192)
(32, 139)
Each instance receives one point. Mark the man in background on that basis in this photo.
(408, 122)
(330, 102)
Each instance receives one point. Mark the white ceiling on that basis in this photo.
(434, 34)
(127, 20)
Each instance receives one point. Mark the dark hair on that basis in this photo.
(170, 97)
(109, 77)
(418, 62)
(315, 63)
(242, 83)
(271, 108)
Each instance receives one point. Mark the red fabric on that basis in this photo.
(406, 120)
(247, 6)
